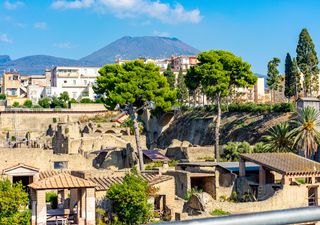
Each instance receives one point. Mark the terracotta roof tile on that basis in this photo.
(63, 181)
(284, 163)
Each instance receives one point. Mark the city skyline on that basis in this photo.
(256, 31)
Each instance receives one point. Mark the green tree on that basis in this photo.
(217, 71)
(171, 78)
(273, 80)
(13, 204)
(193, 82)
(27, 103)
(3, 97)
(44, 102)
(86, 100)
(129, 200)
(131, 85)
(307, 61)
(290, 79)
(232, 150)
(182, 89)
(64, 98)
(296, 73)
(279, 138)
(73, 101)
(307, 134)
(57, 103)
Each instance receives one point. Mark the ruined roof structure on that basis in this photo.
(19, 166)
(284, 163)
(61, 181)
(104, 183)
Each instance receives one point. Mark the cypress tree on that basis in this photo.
(273, 80)
(307, 61)
(289, 81)
(296, 73)
(171, 78)
(183, 92)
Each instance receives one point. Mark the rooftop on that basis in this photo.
(155, 155)
(61, 181)
(284, 163)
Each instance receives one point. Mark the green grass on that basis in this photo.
(219, 212)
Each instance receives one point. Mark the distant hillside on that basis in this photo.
(135, 47)
(124, 48)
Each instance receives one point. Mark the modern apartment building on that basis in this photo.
(14, 85)
(77, 81)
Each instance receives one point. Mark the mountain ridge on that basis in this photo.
(126, 47)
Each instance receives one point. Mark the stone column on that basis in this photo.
(41, 208)
(33, 198)
(262, 176)
(285, 180)
(91, 206)
(242, 168)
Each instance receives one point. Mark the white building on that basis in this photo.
(77, 81)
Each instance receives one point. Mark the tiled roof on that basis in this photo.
(50, 173)
(20, 165)
(104, 183)
(284, 163)
(61, 181)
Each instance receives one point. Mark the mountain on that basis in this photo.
(124, 48)
(135, 47)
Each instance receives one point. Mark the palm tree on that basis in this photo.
(307, 132)
(279, 138)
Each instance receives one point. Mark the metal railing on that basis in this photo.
(277, 217)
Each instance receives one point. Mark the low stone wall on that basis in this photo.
(197, 153)
(288, 197)
(87, 107)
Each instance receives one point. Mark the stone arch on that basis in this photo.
(98, 131)
(110, 132)
(124, 132)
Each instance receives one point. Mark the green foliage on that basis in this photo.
(259, 147)
(27, 103)
(3, 97)
(13, 204)
(182, 90)
(191, 192)
(44, 102)
(16, 104)
(290, 79)
(13, 138)
(296, 73)
(307, 134)
(219, 212)
(52, 198)
(279, 138)
(129, 200)
(232, 150)
(134, 83)
(173, 163)
(86, 100)
(128, 123)
(73, 101)
(171, 78)
(64, 97)
(54, 120)
(153, 165)
(273, 80)
(307, 61)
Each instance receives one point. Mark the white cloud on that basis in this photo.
(132, 8)
(5, 38)
(40, 25)
(12, 5)
(161, 33)
(64, 45)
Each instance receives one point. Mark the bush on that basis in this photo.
(129, 200)
(15, 104)
(73, 101)
(3, 97)
(52, 197)
(44, 102)
(219, 212)
(54, 120)
(190, 193)
(86, 100)
(13, 204)
(233, 149)
(27, 103)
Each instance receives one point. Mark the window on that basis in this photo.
(60, 165)
(74, 95)
(85, 82)
(74, 82)
(65, 81)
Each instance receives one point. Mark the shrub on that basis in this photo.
(54, 120)
(44, 102)
(219, 212)
(27, 103)
(13, 202)
(15, 104)
(86, 100)
(52, 198)
(233, 149)
(73, 101)
(3, 97)
(129, 200)
(191, 192)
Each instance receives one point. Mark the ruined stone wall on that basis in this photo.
(182, 182)
(288, 197)
(42, 159)
(167, 188)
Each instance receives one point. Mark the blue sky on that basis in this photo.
(255, 30)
